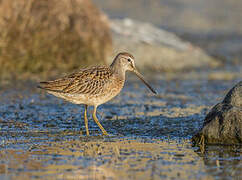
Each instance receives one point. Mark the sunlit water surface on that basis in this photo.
(44, 137)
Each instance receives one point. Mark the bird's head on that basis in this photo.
(125, 62)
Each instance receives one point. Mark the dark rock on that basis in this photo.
(223, 124)
(234, 96)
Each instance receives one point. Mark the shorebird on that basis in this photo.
(94, 86)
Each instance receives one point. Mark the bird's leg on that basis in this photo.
(86, 120)
(96, 120)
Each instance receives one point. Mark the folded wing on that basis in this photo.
(86, 81)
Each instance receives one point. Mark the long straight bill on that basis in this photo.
(143, 80)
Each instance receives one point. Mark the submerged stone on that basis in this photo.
(223, 124)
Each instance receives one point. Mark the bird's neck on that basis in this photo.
(118, 70)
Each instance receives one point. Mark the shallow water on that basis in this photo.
(149, 135)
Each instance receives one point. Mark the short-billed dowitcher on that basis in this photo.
(94, 86)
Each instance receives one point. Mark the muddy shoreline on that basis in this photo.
(150, 135)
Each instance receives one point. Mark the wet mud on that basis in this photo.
(43, 137)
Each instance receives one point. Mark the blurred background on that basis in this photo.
(215, 25)
(41, 39)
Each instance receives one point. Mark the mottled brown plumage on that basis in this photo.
(85, 81)
(94, 86)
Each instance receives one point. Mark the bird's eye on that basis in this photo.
(129, 60)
